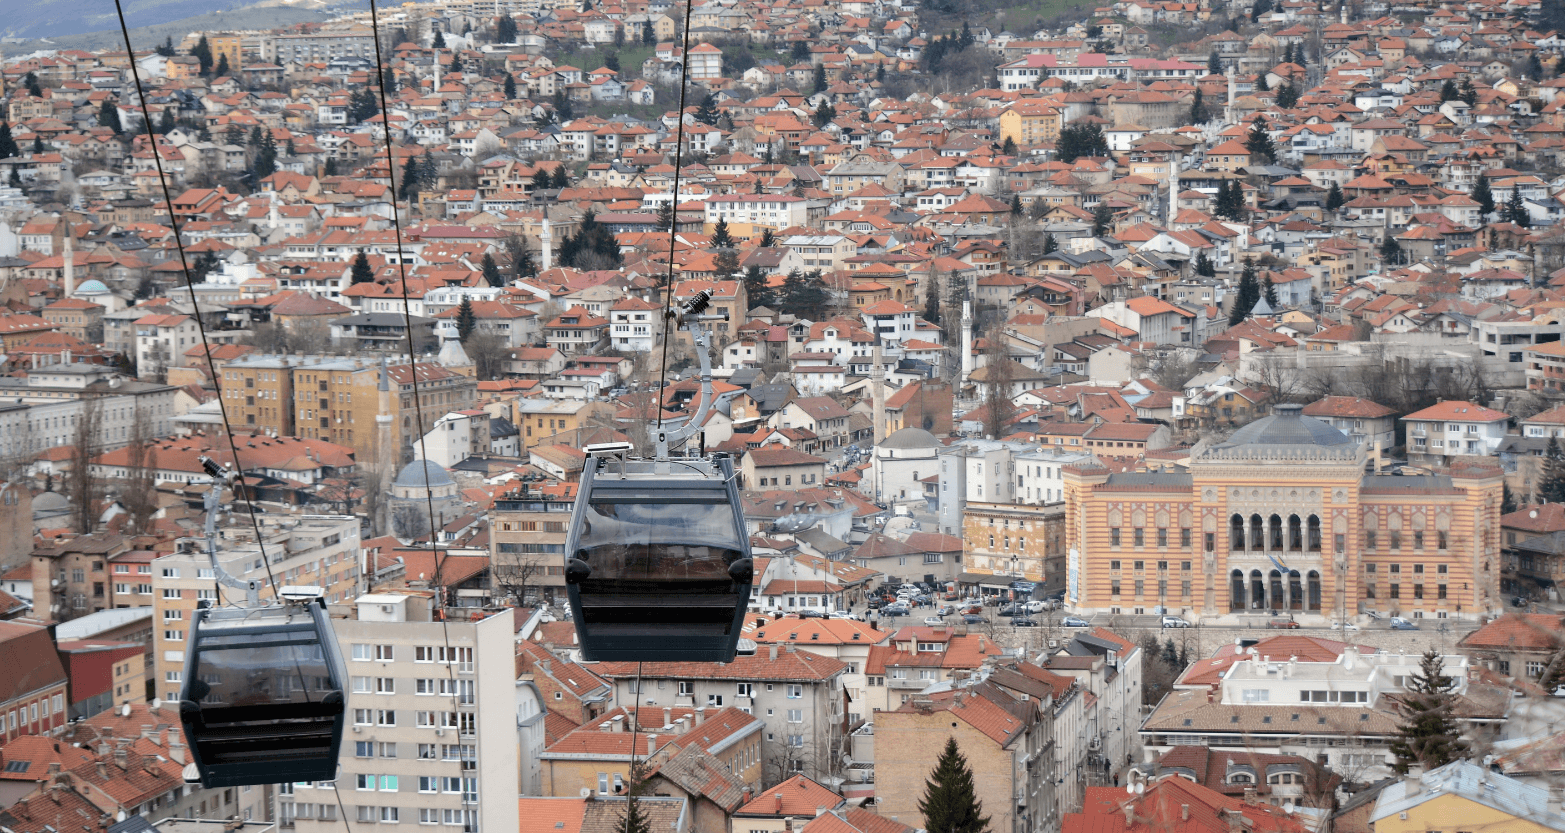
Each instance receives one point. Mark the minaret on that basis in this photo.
(271, 212)
(1173, 188)
(70, 264)
(384, 448)
(877, 378)
(545, 242)
(967, 340)
(1228, 114)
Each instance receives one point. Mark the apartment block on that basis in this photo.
(527, 543)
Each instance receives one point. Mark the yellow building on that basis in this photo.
(1012, 540)
(229, 45)
(1281, 517)
(1464, 797)
(1031, 123)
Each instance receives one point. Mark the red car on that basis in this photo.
(1282, 624)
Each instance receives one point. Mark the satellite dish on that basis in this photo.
(125, 710)
(1141, 787)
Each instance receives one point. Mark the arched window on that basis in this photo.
(1236, 591)
(1236, 532)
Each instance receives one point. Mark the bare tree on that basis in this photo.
(309, 335)
(489, 354)
(514, 578)
(997, 408)
(138, 489)
(83, 487)
(1174, 369)
(1279, 375)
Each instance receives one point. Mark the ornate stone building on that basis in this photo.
(1282, 517)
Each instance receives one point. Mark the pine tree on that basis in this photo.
(8, 146)
(633, 820)
(1198, 114)
(706, 113)
(456, 63)
(492, 271)
(756, 288)
(1334, 198)
(1429, 735)
(15, 179)
(768, 239)
(726, 264)
(223, 70)
(1269, 292)
(611, 61)
(666, 216)
(109, 116)
(805, 295)
(510, 87)
(388, 81)
(1050, 244)
(1259, 142)
(1551, 486)
(562, 178)
(1204, 266)
(465, 321)
(1469, 93)
(1260, 83)
(1016, 205)
(266, 157)
(440, 40)
(1078, 140)
(505, 29)
(721, 239)
(1287, 96)
(330, 167)
(932, 298)
(34, 89)
(166, 122)
(819, 82)
(362, 272)
(1448, 91)
(1008, 147)
(1507, 499)
(950, 803)
(823, 114)
(1102, 220)
(522, 259)
(1516, 210)
(1214, 64)
(1249, 293)
(202, 52)
(410, 180)
(1170, 653)
(1484, 197)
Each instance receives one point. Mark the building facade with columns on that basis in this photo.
(1282, 517)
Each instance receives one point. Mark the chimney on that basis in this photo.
(700, 715)
(1184, 812)
(774, 653)
(119, 758)
(668, 716)
(1415, 785)
(820, 811)
(1250, 795)
(652, 744)
(1235, 821)
(778, 810)
(1130, 813)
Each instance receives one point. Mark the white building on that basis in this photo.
(775, 211)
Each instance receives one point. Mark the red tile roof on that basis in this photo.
(1518, 631)
(797, 796)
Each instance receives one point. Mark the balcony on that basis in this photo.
(909, 685)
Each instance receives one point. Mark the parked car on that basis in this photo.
(1400, 624)
(1174, 622)
(811, 614)
(1282, 624)
(846, 614)
(972, 619)
(934, 621)
(1344, 626)
(945, 610)
(1011, 610)
(897, 609)
(972, 610)
(1024, 622)
(1074, 622)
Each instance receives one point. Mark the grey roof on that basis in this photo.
(1422, 482)
(1476, 784)
(1148, 478)
(910, 438)
(419, 472)
(103, 621)
(1288, 426)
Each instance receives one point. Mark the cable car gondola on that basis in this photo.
(658, 564)
(262, 698)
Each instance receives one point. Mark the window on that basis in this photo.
(795, 691)
(714, 700)
(1113, 537)
(385, 685)
(363, 749)
(1534, 669)
(746, 689)
(796, 715)
(687, 688)
(1369, 539)
(385, 717)
(422, 653)
(426, 752)
(1184, 538)
(1162, 537)
(428, 784)
(1138, 536)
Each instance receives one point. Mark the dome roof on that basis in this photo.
(92, 287)
(50, 502)
(910, 438)
(419, 473)
(1288, 426)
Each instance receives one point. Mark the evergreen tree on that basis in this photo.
(8, 146)
(465, 321)
(30, 81)
(1170, 653)
(768, 239)
(1078, 140)
(167, 49)
(330, 167)
(1516, 211)
(1287, 96)
(1261, 84)
(440, 40)
(649, 35)
(1008, 147)
(1016, 205)
(410, 180)
(505, 29)
(819, 83)
(1269, 292)
(15, 179)
(805, 295)
(666, 216)
(388, 81)
(109, 116)
(1551, 486)
(1334, 198)
(1198, 114)
(1249, 293)
(1038, 210)
(522, 259)
(510, 87)
(756, 288)
(950, 803)
(1050, 244)
(223, 70)
(1429, 735)
(562, 178)
(1259, 142)
(721, 239)
(456, 63)
(166, 122)
(492, 271)
(611, 61)
(706, 113)
(1469, 93)
(823, 114)
(361, 271)
(202, 52)
(1102, 220)
(1534, 67)
(1214, 64)
(799, 52)
(1484, 197)
(1204, 266)
(266, 157)
(1448, 91)
(1391, 251)
(632, 820)
(726, 264)
(1507, 499)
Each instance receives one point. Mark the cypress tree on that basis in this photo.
(440, 40)
(1249, 294)
(109, 116)
(1516, 210)
(950, 803)
(1551, 487)
(362, 272)
(1102, 220)
(1259, 142)
(492, 271)
(1483, 196)
(8, 146)
(1198, 108)
(510, 87)
(465, 321)
(1429, 734)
